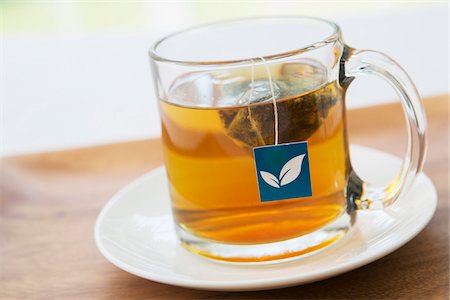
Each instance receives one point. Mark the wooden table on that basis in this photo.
(50, 202)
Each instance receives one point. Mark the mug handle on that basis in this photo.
(357, 62)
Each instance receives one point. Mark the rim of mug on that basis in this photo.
(334, 36)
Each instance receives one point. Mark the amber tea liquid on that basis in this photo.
(209, 158)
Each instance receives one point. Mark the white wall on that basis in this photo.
(70, 88)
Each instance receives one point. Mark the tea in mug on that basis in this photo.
(210, 124)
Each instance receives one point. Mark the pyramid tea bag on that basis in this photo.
(302, 103)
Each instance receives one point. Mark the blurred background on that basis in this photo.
(75, 74)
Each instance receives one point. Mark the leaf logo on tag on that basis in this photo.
(294, 179)
(290, 171)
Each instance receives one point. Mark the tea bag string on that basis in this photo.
(275, 109)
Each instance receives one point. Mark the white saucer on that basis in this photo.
(134, 231)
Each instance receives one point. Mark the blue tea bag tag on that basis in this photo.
(283, 171)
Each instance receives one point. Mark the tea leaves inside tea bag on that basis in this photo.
(302, 104)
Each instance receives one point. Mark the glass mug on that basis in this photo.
(271, 91)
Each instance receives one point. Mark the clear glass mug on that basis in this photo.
(254, 136)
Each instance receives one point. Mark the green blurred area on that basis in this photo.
(50, 17)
